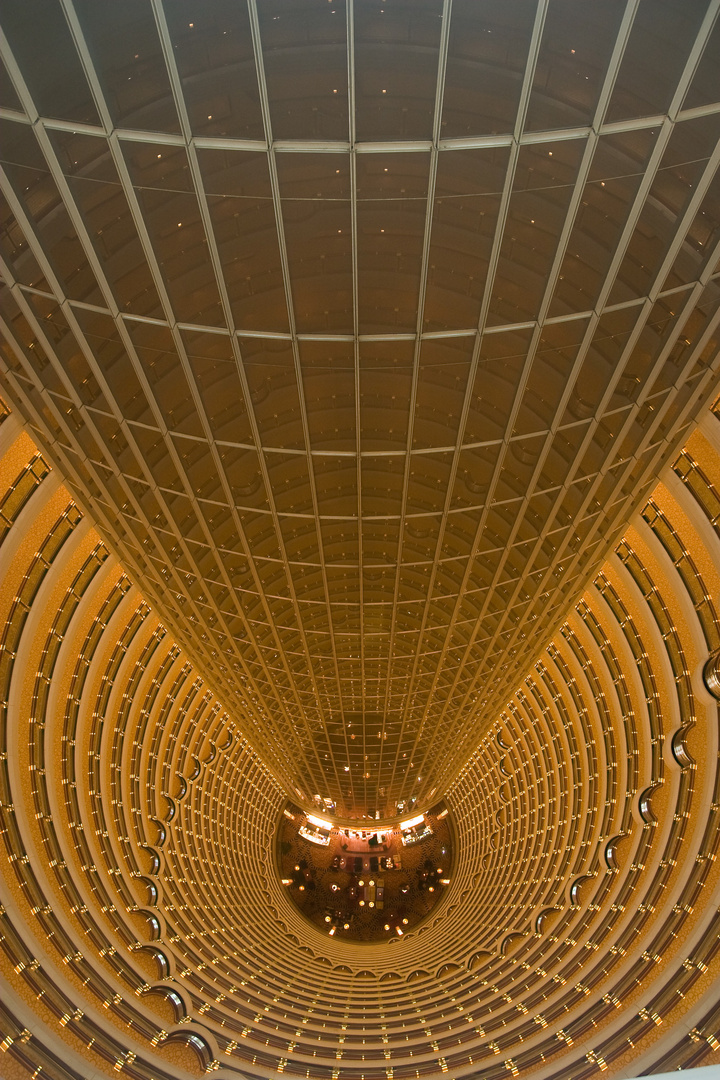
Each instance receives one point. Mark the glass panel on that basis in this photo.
(382, 487)
(385, 392)
(163, 186)
(551, 371)
(544, 182)
(104, 340)
(156, 453)
(100, 198)
(243, 217)
(392, 210)
(45, 52)
(520, 461)
(128, 58)
(475, 471)
(442, 382)
(305, 57)
(214, 368)
(291, 490)
(336, 486)
(662, 36)
(502, 357)
(329, 389)
(76, 371)
(8, 97)
(392, 177)
(600, 363)
(428, 478)
(396, 62)
(704, 89)
(158, 356)
(16, 251)
(674, 184)
(201, 473)
(244, 476)
(615, 176)
(576, 46)
(467, 200)
(214, 54)
(270, 371)
(487, 55)
(315, 192)
(28, 173)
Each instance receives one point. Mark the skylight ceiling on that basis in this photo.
(361, 333)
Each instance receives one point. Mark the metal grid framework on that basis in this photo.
(361, 332)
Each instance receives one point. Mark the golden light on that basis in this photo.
(321, 823)
(412, 821)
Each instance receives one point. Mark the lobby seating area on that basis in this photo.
(364, 885)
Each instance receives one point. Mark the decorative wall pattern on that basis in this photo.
(145, 932)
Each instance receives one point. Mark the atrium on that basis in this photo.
(359, 538)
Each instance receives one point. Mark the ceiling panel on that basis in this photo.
(361, 331)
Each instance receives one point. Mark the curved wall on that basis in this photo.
(144, 930)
